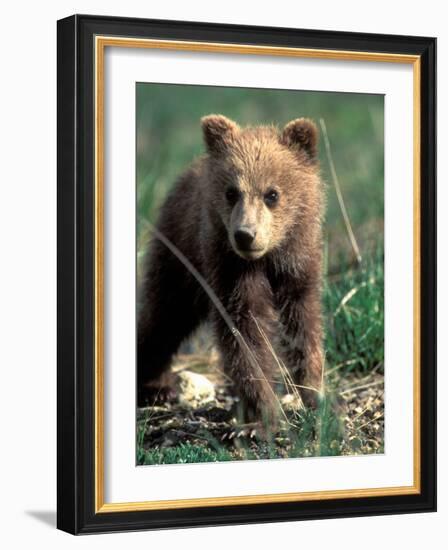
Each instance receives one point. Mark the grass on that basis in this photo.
(354, 314)
(349, 418)
(182, 454)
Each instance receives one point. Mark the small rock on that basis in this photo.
(195, 390)
(291, 402)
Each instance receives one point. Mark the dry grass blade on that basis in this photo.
(340, 366)
(348, 297)
(340, 198)
(363, 387)
(283, 370)
(375, 418)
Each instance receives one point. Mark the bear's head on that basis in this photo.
(263, 182)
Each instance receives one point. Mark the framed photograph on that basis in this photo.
(246, 274)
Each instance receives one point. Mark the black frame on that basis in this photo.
(75, 94)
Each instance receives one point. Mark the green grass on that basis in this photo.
(169, 137)
(354, 316)
(182, 454)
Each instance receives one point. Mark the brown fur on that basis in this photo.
(275, 280)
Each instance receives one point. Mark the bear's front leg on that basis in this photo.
(302, 335)
(172, 307)
(246, 347)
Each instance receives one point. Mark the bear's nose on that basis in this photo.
(244, 237)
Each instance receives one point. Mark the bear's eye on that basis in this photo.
(271, 197)
(232, 195)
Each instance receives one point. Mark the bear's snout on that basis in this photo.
(244, 237)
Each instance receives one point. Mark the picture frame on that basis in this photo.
(82, 195)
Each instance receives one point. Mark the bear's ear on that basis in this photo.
(301, 134)
(219, 132)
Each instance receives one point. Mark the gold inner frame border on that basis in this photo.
(100, 44)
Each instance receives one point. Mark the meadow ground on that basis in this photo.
(350, 416)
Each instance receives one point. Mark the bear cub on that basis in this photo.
(247, 217)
